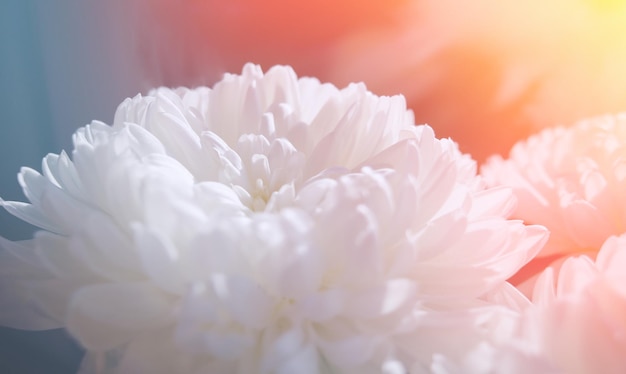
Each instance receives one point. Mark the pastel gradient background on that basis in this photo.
(485, 73)
(63, 63)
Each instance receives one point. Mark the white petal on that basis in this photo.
(160, 260)
(55, 254)
(291, 265)
(31, 214)
(280, 345)
(155, 354)
(578, 215)
(440, 233)
(544, 291)
(509, 296)
(350, 352)
(246, 301)
(321, 306)
(227, 344)
(219, 250)
(103, 316)
(305, 361)
(104, 249)
(380, 301)
(31, 298)
(33, 184)
(60, 170)
(498, 201)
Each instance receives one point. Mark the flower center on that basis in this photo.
(260, 195)
(269, 169)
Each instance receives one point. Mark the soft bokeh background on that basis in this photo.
(485, 73)
(63, 63)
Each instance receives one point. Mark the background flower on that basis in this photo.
(578, 320)
(570, 180)
(268, 223)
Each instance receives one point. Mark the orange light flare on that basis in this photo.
(488, 73)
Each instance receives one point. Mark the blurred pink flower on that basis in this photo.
(571, 180)
(579, 321)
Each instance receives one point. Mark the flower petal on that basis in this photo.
(103, 316)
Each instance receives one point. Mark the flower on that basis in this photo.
(578, 320)
(268, 224)
(571, 180)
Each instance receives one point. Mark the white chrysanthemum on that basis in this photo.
(269, 225)
(571, 180)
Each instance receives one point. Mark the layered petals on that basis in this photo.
(268, 224)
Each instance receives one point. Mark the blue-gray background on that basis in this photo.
(63, 63)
